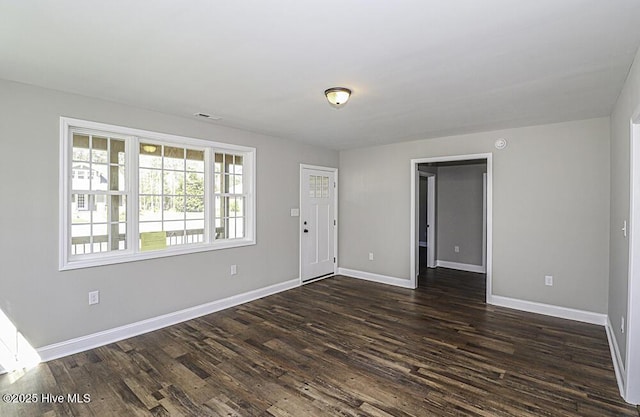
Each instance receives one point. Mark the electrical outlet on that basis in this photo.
(456, 249)
(234, 269)
(371, 256)
(622, 324)
(94, 297)
(548, 280)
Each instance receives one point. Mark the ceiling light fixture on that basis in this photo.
(337, 96)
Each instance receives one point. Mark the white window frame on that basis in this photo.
(132, 139)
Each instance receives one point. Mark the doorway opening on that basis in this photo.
(451, 215)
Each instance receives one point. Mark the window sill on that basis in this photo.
(125, 257)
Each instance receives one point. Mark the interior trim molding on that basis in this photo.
(369, 276)
(549, 310)
(616, 358)
(83, 343)
(461, 267)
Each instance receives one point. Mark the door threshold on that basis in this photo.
(318, 278)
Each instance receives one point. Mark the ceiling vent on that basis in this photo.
(206, 116)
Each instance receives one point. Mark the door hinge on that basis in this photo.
(334, 222)
(334, 184)
(334, 259)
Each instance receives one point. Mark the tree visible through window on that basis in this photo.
(171, 192)
(188, 195)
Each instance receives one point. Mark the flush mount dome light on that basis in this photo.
(337, 96)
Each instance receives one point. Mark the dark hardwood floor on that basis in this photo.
(343, 347)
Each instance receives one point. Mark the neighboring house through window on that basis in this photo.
(129, 194)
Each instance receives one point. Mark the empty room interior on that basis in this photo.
(338, 208)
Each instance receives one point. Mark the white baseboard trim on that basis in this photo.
(369, 276)
(80, 344)
(616, 358)
(461, 267)
(549, 310)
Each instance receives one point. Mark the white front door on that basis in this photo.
(317, 222)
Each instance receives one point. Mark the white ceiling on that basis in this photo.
(418, 69)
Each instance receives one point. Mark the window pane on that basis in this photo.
(117, 155)
(81, 231)
(195, 160)
(150, 208)
(150, 155)
(90, 217)
(217, 187)
(325, 187)
(238, 164)
(118, 208)
(232, 228)
(80, 178)
(99, 146)
(80, 148)
(233, 206)
(237, 210)
(221, 228)
(228, 184)
(150, 227)
(118, 236)
(116, 178)
(239, 227)
(195, 207)
(99, 177)
(173, 182)
(195, 184)
(173, 208)
(80, 213)
(173, 158)
(195, 225)
(150, 181)
(219, 159)
(99, 212)
(221, 206)
(173, 226)
(312, 186)
(237, 181)
(99, 232)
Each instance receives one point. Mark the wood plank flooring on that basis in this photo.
(342, 347)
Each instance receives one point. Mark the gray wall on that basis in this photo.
(550, 209)
(459, 207)
(628, 102)
(49, 306)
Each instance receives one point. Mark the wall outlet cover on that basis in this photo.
(94, 297)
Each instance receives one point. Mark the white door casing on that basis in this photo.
(431, 221)
(318, 222)
(414, 211)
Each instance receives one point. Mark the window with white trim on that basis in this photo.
(129, 194)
